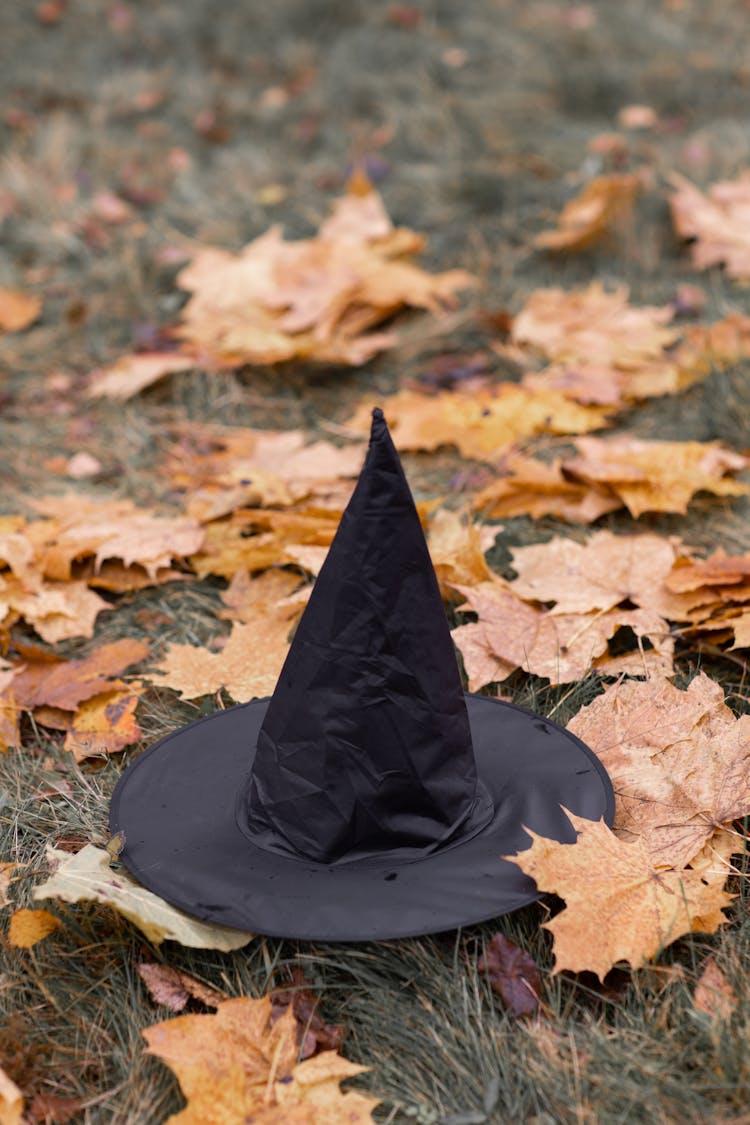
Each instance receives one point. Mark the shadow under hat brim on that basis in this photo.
(176, 805)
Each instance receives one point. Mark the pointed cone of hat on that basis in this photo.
(366, 744)
(369, 798)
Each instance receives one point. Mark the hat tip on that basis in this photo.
(379, 425)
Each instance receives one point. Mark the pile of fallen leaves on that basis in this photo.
(315, 299)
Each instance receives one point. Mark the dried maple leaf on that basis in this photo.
(483, 424)
(173, 989)
(248, 665)
(457, 548)
(717, 223)
(78, 528)
(513, 974)
(596, 575)
(11, 1101)
(248, 599)
(66, 684)
(619, 905)
(222, 468)
(104, 724)
(512, 634)
(27, 927)
(57, 611)
(15, 550)
(87, 877)
(679, 762)
(656, 476)
(714, 995)
(719, 569)
(605, 203)
(133, 373)
(714, 347)
(257, 539)
(17, 310)
(600, 348)
(237, 1066)
(529, 487)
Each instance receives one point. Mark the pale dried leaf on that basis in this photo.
(510, 634)
(717, 222)
(58, 611)
(679, 762)
(133, 373)
(596, 575)
(87, 877)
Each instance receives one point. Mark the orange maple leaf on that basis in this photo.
(235, 1066)
(620, 906)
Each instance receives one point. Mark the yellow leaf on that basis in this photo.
(87, 877)
(56, 610)
(248, 665)
(484, 424)
(104, 724)
(656, 476)
(619, 905)
(457, 548)
(236, 1066)
(604, 203)
(27, 927)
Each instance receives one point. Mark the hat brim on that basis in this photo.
(176, 805)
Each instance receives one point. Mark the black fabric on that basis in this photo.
(366, 745)
(176, 806)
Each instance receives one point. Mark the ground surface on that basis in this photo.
(475, 120)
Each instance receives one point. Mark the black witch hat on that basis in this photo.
(370, 797)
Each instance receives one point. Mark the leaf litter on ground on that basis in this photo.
(316, 299)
